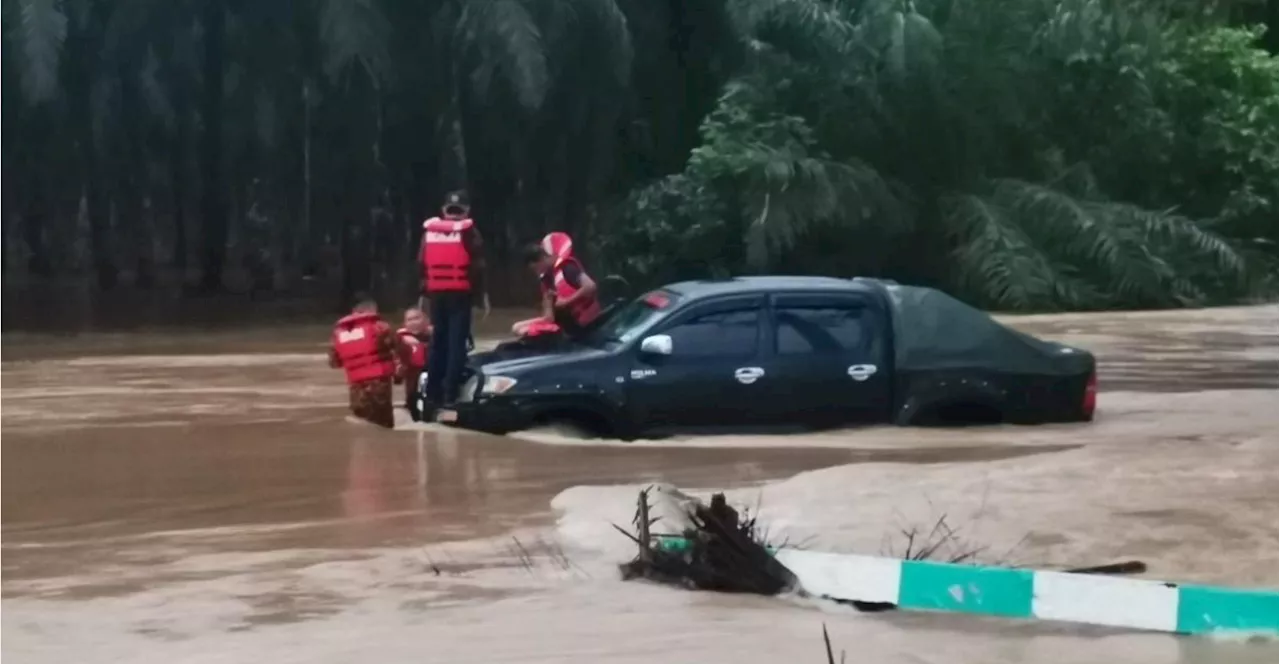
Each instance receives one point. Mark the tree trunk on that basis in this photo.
(132, 182)
(82, 54)
(178, 174)
(213, 205)
(306, 252)
(33, 224)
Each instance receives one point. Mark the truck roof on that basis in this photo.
(745, 285)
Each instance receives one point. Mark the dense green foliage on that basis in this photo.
(1027, 154)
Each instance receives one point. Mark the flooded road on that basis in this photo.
(204, 499)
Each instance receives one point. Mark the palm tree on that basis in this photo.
(925, 129)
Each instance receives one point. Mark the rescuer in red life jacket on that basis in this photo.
(413, 342)
(569, 295)
(362, 346)
(452, 270)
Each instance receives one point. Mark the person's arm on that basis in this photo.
(403, 357)
(386, 340)
(335, 362)
(549, 306)
(479, 271)
(422, 272)
(479, 267)
(585, 285)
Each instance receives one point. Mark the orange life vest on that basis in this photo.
(446, 258)
(417, 348)
(583, 311)
(355, 338)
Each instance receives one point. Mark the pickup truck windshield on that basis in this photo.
(635, 317)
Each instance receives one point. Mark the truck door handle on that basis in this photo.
(748, 375)
(861, 372)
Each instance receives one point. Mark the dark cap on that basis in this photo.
(457, 199)
(456, 205)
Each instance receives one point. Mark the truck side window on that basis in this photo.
(820, 330)
(719, 334)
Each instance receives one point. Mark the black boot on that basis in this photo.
(413, 404)
(428, 411)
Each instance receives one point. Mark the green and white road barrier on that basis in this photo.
(1144, 604)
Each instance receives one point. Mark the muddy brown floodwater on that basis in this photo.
(203, 498)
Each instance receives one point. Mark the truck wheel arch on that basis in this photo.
(591, 418)
(947, 403)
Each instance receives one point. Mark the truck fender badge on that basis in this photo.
(861, 372)
(640, 374)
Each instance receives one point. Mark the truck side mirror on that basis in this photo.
(658, 344)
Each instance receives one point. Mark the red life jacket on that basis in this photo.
(355, 338)
(583, 311)
(417, 348)
(541, 327)
(446, 258)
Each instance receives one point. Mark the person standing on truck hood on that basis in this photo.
(363, 347)
(569, 295)
(413, 341)
(453, 268)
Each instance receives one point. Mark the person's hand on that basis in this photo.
(487, 307)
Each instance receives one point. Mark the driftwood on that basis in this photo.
(724, 552)
(714, 547)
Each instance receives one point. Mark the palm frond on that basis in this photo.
(1165, 229)
(791, 194)
(154, 91)
(1087, 233)
(914, 45)
(1089, 30)
(823, 20)
(808, 30)
(996, 259)
(608, 26)
(354, 31)
(510, 42)
(781, 180)
(41, 32)
(1125, 253)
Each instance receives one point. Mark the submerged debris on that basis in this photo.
(715, 549)
(684, 542)
(826, 641)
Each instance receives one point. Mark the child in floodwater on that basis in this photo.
(363, 346)
(412, 346)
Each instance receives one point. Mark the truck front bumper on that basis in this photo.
(496, 416)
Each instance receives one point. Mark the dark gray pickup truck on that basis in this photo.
(779, 350)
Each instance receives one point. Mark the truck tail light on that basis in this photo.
(1090, 401)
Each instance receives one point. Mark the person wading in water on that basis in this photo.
(413, 341)
(363, 346)
(452, 269)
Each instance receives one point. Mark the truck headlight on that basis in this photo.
(497, 384)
